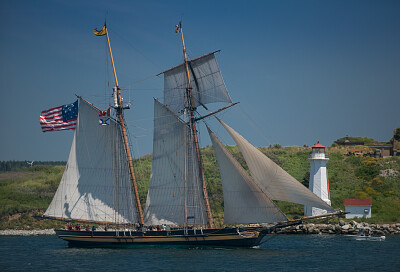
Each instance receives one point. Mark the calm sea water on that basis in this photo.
(279, 253)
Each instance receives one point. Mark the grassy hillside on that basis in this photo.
(25, 193)
(29, 191)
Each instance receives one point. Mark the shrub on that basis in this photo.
(367, 172)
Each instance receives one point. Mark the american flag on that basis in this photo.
(60, 118)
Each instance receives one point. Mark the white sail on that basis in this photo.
(174, 192)
(271, 178)
(206, 81)
(96, 183)
(244, 202)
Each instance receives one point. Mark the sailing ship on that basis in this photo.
(99, 184)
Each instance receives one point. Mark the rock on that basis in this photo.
(315, 231)
(386, 226)
(342, 223)
(353, 223)
(353, 231)
(345, 227)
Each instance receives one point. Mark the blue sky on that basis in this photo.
(302, 70)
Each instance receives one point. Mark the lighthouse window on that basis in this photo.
(365, 210)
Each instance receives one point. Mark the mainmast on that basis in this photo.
(120, 108)
(190, 107)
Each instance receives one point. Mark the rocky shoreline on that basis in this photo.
(27, 232)
(343, 228)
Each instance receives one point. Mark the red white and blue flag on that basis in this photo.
(104, 117)
(60, 118)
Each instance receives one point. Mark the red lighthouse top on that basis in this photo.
(318, 145)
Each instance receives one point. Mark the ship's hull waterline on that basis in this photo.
(228, 237)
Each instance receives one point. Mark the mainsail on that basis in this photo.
(272, 179)
(207, 84)
(96, 184)
(174, 196)
(244, 202)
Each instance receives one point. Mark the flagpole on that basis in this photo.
(120, 109)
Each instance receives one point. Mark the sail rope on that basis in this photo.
(126, 88)
(153, 62)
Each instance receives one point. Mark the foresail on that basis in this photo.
(271, 178)
(174, 191)
(96, 184)
(244, 202)
(207, 84)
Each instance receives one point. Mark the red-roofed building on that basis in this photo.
(357, 207)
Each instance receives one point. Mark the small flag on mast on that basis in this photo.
(105, 113)
(102, 32)
(104, 117)
(178, 28)
(104, 121)
(60, 118)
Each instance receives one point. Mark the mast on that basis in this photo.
(119, 107)
(192, 121)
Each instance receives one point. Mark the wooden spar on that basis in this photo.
(215, 112)
(314, 217)
(192, 60)
(79, 220)
(196, 142)
(187, 70)
(128, 153)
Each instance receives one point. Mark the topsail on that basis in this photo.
(207, 84)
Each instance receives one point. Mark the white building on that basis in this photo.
(319, 183)
(358, 207)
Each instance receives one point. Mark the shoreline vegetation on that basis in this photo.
(26, 192)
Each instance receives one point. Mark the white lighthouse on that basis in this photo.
(319, 183)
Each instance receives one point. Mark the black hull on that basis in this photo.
(227, 237)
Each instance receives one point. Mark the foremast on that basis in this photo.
(120, 109)
(191, 108)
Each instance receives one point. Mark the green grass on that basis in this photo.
(26, 194)
(29, 191)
